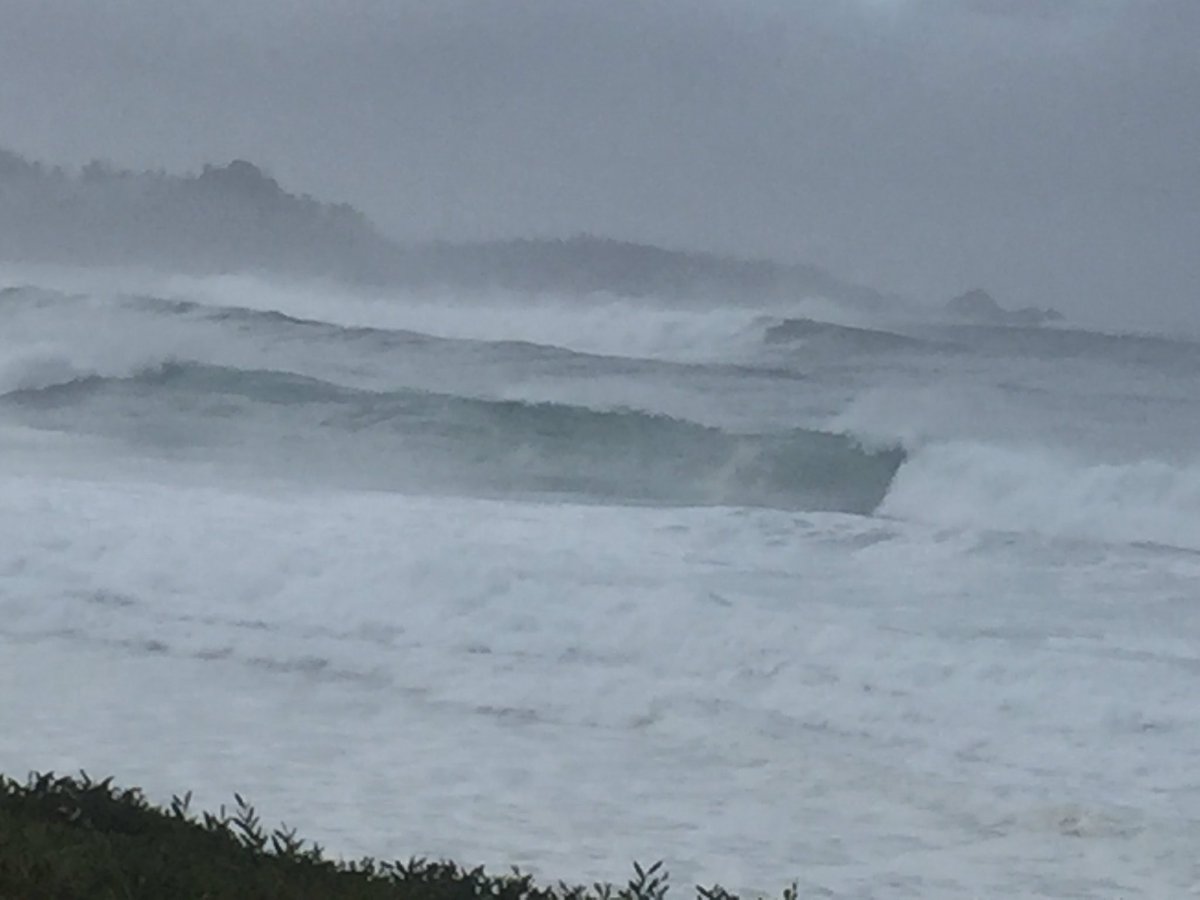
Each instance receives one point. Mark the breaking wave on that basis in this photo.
(973, 485)
(407, 439)
(866, 340)
(614, 332)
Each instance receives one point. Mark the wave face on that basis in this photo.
(301, 427)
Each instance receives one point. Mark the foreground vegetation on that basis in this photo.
(65, 838)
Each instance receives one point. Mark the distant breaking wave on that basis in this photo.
(597, 327)
(611, 329)
(297, 426)
(806, 331)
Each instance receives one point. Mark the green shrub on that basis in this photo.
(66, 838)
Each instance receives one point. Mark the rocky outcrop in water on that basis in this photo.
(980, 307)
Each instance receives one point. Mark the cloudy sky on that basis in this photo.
(1048, 150)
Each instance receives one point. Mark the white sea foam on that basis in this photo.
(53, 363)
(979, 486)
(755, 696)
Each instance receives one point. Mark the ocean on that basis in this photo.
(885, 604)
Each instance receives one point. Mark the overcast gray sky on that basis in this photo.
(1048, 150)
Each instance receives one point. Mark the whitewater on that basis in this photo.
(886, 605)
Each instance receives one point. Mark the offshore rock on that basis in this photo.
(979, 306)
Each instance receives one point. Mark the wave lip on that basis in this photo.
(411, 439)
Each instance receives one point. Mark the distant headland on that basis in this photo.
(236, 217)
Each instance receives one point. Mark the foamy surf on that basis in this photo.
(863, 603)
(1030, 490)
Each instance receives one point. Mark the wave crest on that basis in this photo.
(979, 486)
(401, 439)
